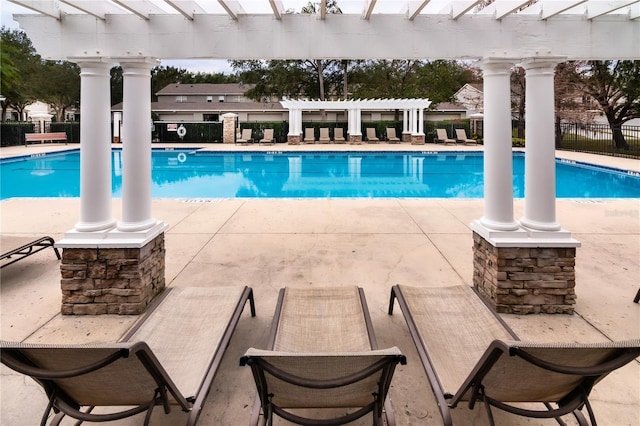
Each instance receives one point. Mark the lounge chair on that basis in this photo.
(391, 135)
(470, 354)
(322, 355)
(461, 137)
(338, 135)
(26, 250)
(170, 357)
(371, 135)
(245, 137)
(324, 135)
(443, 138)
(267, 137)
(309, 135)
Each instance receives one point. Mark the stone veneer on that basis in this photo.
(525, 280)
(406, 137)
(293, 139)
(229, 128)
(417, 139)
(355, 139)
(112, 280)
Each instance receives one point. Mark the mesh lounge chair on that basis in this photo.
(470, 354)
(338, 135)
(169, 358)
(309, 136)
(461, 137)
(443, 138)
(391, 135)
(267, 137)
(323, 354)
(371, 135)
(26, 250)
(324, 135)
(245, 137)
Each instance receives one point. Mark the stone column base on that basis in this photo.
(406, 137)
(355, 139)
(417, 139)
(525, 280)
(120, 281)
(293, 140)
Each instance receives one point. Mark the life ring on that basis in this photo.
(182, 131)
(182, 157)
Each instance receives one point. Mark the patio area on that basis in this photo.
(271, 243)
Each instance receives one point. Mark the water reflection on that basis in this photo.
(183, 174)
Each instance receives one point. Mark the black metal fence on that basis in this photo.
(598, 138)
(594, 138)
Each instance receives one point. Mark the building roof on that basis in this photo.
(204, 89)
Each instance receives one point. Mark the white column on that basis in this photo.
(421, 122)
(498, 162)
(292, 122)
(540, 164)
(358, 120)
(95, 148)
(405, 119)
(136, 149)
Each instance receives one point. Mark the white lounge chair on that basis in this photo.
(461, 137)
(443, 138)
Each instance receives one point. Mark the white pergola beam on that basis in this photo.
(277, 7)
(46, 7)
(415, 8)
(96, 9)
(368, 9)
(634, 11)
(459, 8)
(596, 9)
(345, 36)
(551, 8)
(507, 7)
(142, 8)
(232, 7)
(187, 8)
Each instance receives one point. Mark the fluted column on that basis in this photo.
(95, 147)
(136, 149)
(498, 163)
(540, 162)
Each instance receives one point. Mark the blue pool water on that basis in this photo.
(192, 174)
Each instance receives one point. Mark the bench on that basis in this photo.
(28, 249)
(43, 137)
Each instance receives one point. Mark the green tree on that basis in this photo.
(58, 85)
(615, 86)
(18, 54)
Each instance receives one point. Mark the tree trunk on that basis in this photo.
(558, 133)
(618, 137)
(320, 65)
(345, 86)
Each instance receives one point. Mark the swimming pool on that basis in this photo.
(199, 174)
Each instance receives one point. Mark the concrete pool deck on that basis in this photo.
(271, 243)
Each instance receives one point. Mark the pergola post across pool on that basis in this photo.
(520, 265)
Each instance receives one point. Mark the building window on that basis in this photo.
(209, 98)
(211, 117)
(220, 98)
(181, 98)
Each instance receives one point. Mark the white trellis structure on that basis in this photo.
(412, 113)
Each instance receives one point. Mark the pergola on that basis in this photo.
(412, 110)
(537, 35)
